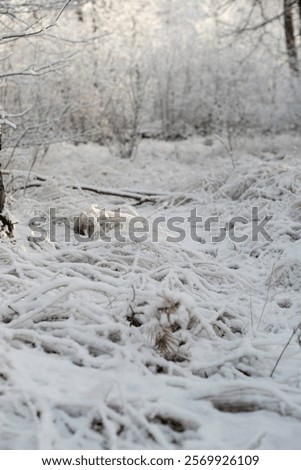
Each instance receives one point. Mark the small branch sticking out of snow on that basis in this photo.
(227, 147)
(285, 348)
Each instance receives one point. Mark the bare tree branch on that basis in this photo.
(24, 34)
(45, 69)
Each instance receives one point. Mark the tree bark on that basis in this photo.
(290, 38)
(6, 225)
(2, 190)
(2, 193)
(299, 11)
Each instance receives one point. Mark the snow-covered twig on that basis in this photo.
(228, 149)
(285, 348)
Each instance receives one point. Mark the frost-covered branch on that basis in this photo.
(38, 72)
(26, 33)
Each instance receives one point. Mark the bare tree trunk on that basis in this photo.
(299, 10)
(2, 190)
(2, 193)
(290, 39)
(6, 225)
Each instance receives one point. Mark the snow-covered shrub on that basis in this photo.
(167, 317)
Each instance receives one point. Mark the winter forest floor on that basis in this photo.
(154, 345)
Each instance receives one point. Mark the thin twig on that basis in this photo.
(285, 348)
(267, 296)
(14, 36)
(252, 316)
(30, 169)
(229, 151)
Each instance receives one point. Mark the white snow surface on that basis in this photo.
(154, 345)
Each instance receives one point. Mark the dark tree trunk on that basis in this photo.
(299, 10)
(290, 39)
(2, 193)
(6, 225)
(2, 190)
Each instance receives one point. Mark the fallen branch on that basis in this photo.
(141, 196)
(138, 196)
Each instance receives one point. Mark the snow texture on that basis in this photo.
(153, 345)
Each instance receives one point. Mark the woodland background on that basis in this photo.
(111, 71)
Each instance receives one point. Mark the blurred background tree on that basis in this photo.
(113, 73)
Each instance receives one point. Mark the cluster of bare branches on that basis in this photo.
(27, 19)
(23, 20)
(258, 16)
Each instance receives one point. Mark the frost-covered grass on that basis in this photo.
(154, 345)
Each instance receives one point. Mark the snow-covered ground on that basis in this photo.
(154, 345)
